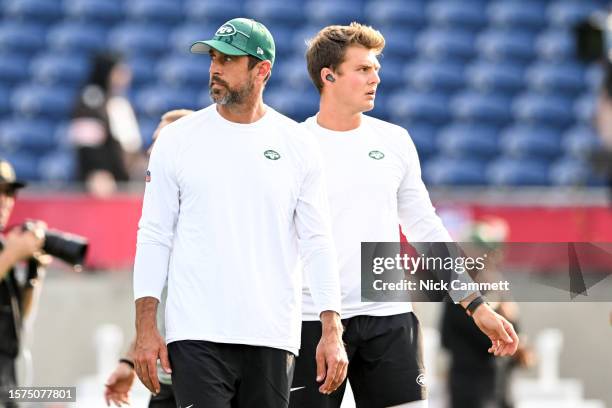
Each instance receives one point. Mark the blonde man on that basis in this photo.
(374, 183)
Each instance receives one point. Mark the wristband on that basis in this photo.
(127, 361)
(473, 305)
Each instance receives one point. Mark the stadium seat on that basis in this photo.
(324, 12)
(296, 104)
(488, 108)
(95, 11)
(523, 141)
(58, 166)
(43, 11)
(213, 12)
(476, 141)
(275, 12)
(138, 39)
(22, 38)
(282, 35)
(38, 101)
(399, 43)
(424, 136)
(12, 68)
(499, 44)
(389, 73)
(570, 171)
(584, 107)
(527, 15)
(466, 14)
(550, 110)
(446, 44)
(143, 72)
(594, 76)
(381, 110)
(5, 106)
(559, 78)
(447, 171)
(184, 70)
(292, 73)
(25, 164)
(154, 11)
(183, 36)
(567, 13)
(35, 136)
(155, 100)
(556, 45)
(396, 13)
(420, 106)
(496, 77)
(517, 172)
(58, 69)
(435, 75)
(580, 141)
(77, 37)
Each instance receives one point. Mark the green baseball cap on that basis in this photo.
(240, 36)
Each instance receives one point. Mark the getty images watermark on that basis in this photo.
(435, 271)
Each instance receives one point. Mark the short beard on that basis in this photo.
(232, 96)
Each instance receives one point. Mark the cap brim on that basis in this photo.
(14, 184)
(203, 47)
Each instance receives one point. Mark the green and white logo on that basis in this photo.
(272, 155)
(226, 29)
(376, 155)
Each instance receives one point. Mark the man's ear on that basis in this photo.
(264, 69)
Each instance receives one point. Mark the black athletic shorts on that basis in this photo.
(385, 363)
(219, 375)
(164, 399)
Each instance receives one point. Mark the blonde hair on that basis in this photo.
(328, 48)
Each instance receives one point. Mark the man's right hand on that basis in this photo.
(119, 384)
(20, 244)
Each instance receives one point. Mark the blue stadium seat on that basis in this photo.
(396, 13)
(154, 11)
(155, 100)
(59, 69)
(139, 39)
(213, 12)
(283, 35)
(517, 172)
(498, 77)
(446, 44)
(550, 110)
(399, 43)
(559, 78)
(301, 35)
(43, 101)
(43, 11)
(324, 12)
(12, 68)
(566, 13)
(535, 142)
(580, 141)
(147, 127)
(420, 106)
(292, 73)
(556, 45)
(381, 106)
(99, 11)
(527, 15)
(467, 14)
(435, 75)
(594, 77)
(271, 12)
(488, 108)
(23, 38)
(25, 165)
(389, 69)
(184, 70)
(584, 107)
(58, 166)
(296, 104)
(77, 37)
(424, 136)
(469, 141)
(143, 72)
(446, 171)
(184, 35)
(496, 44)
(570, 171)
(36, 136)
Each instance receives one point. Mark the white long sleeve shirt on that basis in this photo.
(228, 210)
(374, 184)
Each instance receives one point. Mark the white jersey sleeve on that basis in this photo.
(316, 245)
(156, 227)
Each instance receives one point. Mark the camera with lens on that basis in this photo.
(68, 247)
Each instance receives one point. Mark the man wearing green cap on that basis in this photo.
(234, 196)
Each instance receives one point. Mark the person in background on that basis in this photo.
(104, 130)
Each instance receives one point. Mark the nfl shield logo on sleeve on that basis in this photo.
(147, 176)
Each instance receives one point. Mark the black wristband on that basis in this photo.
(473, 305)
(127, 361)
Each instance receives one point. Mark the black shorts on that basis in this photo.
(165, 398)
(385, 363)
(219, 375)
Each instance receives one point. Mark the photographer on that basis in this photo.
(17, 291)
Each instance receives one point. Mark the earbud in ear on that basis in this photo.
(330, 78)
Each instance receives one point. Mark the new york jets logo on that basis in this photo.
(226, 29)
(272, 155)
(376, 155)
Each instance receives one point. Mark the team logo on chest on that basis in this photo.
(376, 155)
(272, 155)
